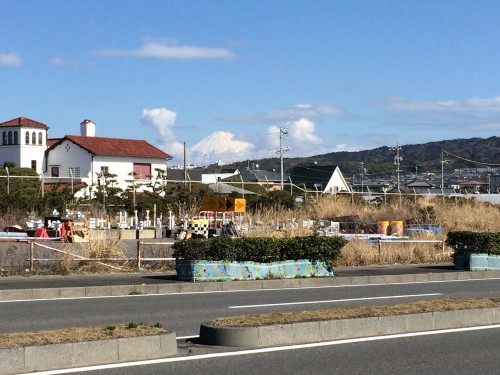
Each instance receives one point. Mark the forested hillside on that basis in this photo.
(458, 153)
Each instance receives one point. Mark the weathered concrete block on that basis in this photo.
(48, 357)
(17, 294)
(447, 319)
(95, 352)
(279, 334)
(97, 291)
(242, 285)
(146, 289)
(128, 234)
(135, 348)
(328, 330)
(360, 327)
(46, 293)
(169, 288)
(389, 325)
(285, 283)
(146, 234)
(12, 361)
(490, 316)
(419, 322)
(122, 290)
(72, 292)
(306, 332)
(202, 287)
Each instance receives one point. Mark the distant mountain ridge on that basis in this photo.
(425, 158)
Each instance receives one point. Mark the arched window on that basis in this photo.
(4, 138)
(40, 139)
(10, 137)
(16, 138)
(33, 138)
(27, 138)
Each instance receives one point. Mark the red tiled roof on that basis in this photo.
(52, 141)
(61, 186)
(115, 146)
(24, 121)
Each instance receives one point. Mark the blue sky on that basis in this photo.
(224, 76)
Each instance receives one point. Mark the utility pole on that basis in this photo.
(443, 162)
(397, 162)
(362, 174)
(282, 150)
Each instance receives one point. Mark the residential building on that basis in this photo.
(323, 179)
(24, 142)
(82, 160)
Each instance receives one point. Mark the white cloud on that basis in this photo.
(473, 104)
(170, 52)
(221, 145)
(292, 113)
(162, 120)
(10, 59)
(300, 138)
(57, 61)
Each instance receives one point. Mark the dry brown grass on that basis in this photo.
(361, 253)
(103, 248)
(449, 214)
(435, 305)
(18, 340)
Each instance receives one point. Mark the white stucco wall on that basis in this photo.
(69, 155)
(22, 154)
(337, 183)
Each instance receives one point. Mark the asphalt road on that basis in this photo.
(463, 353)
(184, 312)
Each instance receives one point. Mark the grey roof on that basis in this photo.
(260, 175)
(178, 174)
(223, 188)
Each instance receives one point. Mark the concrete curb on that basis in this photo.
(123, 290)
(328, 330)
(87, 353)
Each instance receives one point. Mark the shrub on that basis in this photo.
(262, 250)
(466, 242)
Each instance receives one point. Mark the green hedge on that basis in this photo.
(262, 250)
(466, 242)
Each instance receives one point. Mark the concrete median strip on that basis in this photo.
(86, 353)
(172, 288)
(328, 330)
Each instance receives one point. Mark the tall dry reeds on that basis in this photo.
(450, 214)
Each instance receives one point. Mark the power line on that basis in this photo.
(469, 160)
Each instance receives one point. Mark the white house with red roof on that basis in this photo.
(81, 159)
(24, 142)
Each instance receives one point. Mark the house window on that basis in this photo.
(33, 138)
(27, 138)
(40, 139)
(4, 138)
(104, 169)
(16, 138)
(142, 171)
(10, 137)
(33, 165)
(54, 171)
(74, 171)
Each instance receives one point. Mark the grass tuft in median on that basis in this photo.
(434, 305)
(19, 340)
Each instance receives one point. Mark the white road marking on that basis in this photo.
(244, 290)
(263, 350)
(336, 300)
